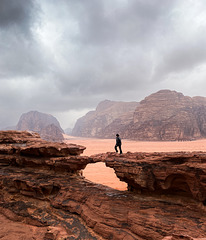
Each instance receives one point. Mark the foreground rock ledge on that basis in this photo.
(175, 173)
(40, 187)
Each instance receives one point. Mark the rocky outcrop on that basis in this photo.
(105, 120)
(24, 149)
(40, 186)
(45, 124)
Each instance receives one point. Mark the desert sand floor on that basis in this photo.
(101, 174)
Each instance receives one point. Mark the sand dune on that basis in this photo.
(101, 174)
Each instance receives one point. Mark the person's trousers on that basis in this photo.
(120, 149)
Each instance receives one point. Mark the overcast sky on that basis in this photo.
(63, 57)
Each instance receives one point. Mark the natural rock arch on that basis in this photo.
(101, 174)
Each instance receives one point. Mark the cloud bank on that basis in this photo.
(65, 58)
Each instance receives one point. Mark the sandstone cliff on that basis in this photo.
(162, 116)
(45, 124)
(108, 113)
(168, 115)
(40, 187)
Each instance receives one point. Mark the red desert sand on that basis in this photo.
(101, 174)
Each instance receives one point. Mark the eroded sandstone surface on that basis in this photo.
(175, 173)
(41, 187)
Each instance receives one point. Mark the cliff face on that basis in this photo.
(108, 113)
(162, 116)
(45, 124)
(168, 115)
(40, 187)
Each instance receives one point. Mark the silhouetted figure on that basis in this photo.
(118, 144)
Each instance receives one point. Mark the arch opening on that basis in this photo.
(101, 174)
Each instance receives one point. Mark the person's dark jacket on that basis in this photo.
(118, 141)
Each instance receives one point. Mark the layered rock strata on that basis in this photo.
(175, 173)
(168, 115)
(162, 116)
(64, 205)
(106, 120)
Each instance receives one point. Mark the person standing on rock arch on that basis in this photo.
(118, 144)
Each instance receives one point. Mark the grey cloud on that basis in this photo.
(106, 22)
(183, 57)
(21, 55)
(113, 45)
(66, 57)
(16, 14)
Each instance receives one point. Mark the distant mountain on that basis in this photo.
(163, 116)
(108, 113)
(45, 124)
(52, 133)
(168, 116)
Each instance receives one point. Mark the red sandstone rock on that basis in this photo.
(110, 213)
(177, 173)
(30, 143)
(35, 189)
(28, 149)
(15, 137)
(181, 237)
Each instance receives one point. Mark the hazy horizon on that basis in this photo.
(83, 113)
(63, 59)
